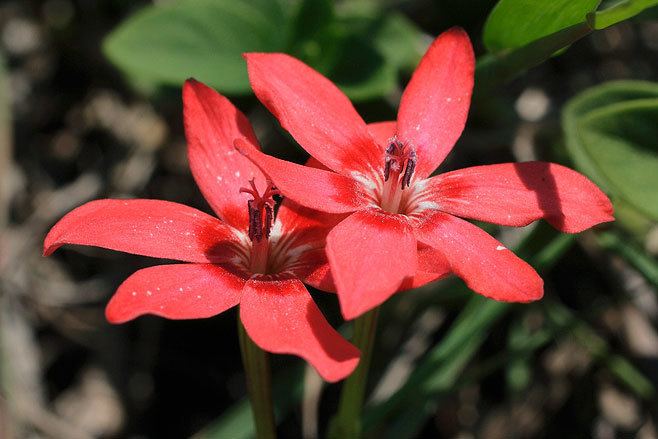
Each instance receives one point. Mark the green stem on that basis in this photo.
(347, 422)
(259, 385)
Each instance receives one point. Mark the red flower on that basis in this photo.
(403, 220)
(244, 257)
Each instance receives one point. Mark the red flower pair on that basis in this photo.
(398, 228)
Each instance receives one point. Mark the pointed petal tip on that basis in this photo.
(294, 325)
(114, 316)
(190, 84)
(339, 373)
(49, 245)
(457, 31)
(49, 250)
(351, 311)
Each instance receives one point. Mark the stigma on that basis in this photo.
(261, 211)
(399, 162)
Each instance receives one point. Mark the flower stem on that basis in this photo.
(259, 385)
(346, 424)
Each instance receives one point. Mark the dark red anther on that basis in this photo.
(409, 170)
(399, 157)
(259, 224)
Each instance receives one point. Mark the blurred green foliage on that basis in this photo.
(168, 43)
(610, 132)
(360, 47)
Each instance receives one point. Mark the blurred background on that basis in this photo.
(90, 107)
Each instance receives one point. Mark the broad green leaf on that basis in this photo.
(361, 71)
(400, 41)
(515, 23)
(620, 139)
(597, 97)
(359, 49)
(619, 12)
(610, 132)
(521, 34)
(494, 69)
(205, 39)
(311, 18)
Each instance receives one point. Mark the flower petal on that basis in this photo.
(314, 111)
(516, 194)
(298, 240)
(177, 291)
(487, 267)
(281, 317)
(212, 123)
(432, 265)
(434, 106)
(382, 132)
(311, 187)
(160, 229)
(372, 254)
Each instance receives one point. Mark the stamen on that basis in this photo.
(409, 170)
(387, 161)
(259, 224)
(399, 157)
(269, 217)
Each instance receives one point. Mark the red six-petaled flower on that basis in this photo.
(245, 257)
(404, 227)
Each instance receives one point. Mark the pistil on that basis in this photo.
(399, 167)
(261, 217)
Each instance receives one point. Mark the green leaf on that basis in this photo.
(312, 17)
(360, 70)
(619, 12)
(521, 34)
(610, 132)
(205, 39)
(400, 41)
(515, 23)
(495, 69)
(359, 49)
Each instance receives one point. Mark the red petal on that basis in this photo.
(281, 317)
(311, 187)
(372, 254)
(178, 291)
(298, 240)
(160, 229)
(314, 111)
(487, 267)
(382, 132)
(516, 194)
(432, 265)
(434, 105)
(212, 123)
